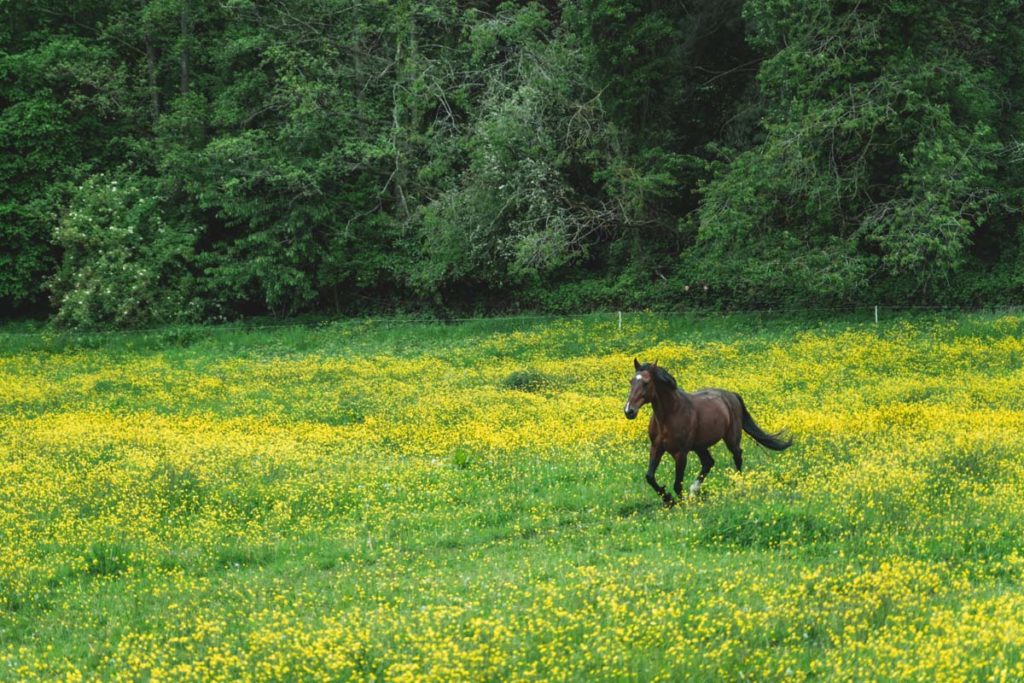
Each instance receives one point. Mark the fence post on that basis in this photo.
(876, 315)
(620, 321)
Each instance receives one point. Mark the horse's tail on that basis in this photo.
(779, 441)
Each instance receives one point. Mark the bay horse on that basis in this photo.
(683, 422)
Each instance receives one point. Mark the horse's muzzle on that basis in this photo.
(630, 413)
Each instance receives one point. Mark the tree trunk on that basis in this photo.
(399, 174)
(185, 38)
(154, 91)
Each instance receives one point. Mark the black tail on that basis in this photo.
(778, 441)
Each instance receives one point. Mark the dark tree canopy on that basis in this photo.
(171, 160)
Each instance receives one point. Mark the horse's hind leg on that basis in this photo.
(737, 453)
(733, 439)
(706, 463)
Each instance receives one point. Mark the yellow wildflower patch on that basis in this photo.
(447, 504)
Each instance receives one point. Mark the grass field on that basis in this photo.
(385, 501)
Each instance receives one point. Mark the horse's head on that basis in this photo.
(641, 388)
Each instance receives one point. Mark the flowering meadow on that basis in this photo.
(384, 501)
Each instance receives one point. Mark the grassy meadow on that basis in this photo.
(402, 501)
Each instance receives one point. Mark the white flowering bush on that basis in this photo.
(121, 264)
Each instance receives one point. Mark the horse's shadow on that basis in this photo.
(638, 507)
(648, 506)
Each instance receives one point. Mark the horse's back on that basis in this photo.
(719, 414)
(710, 395)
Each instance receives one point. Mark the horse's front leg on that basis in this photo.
(680, 471)
(706, 463)
(652, 467)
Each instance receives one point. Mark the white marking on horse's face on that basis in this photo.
(627, 407)
(639, 376)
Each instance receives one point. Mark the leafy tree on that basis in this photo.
(885, 135)
(59, 107)
(341, 156)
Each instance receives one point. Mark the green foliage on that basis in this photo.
(350, 157)
(462, 457)
(122, 264)
(517, 209)
(884, 153)
(526, 380)
(58, 101)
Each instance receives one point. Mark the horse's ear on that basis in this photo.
(636, 363)
(654, 365)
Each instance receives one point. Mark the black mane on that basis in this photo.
(660, 375)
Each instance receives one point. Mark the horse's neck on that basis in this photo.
(668, 401)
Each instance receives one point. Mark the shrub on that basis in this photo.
(121, 264)
(526, 380)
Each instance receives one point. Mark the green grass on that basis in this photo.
(133, 558)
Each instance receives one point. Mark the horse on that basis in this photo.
(683, 422)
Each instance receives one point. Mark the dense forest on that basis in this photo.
(177, 160)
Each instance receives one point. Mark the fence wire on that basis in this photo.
(387, 321)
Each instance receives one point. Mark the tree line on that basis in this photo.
(176, 160)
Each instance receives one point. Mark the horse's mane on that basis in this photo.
(661, 375)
